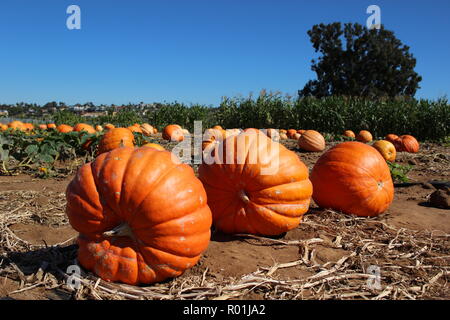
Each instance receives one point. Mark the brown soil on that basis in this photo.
(41, 224)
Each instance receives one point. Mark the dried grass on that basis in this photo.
(413, 264)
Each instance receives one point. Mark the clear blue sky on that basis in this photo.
(192, 50)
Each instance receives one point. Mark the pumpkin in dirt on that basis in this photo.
(28, 127)
(64, 128)
(173, 132)
(283, 131)
(262, 189)
(290, 133)
(391, 137)
(311, 140)
(109, 126)
(16, 125)
(386, 149)
(283, 136)
(302, 131)
(142, 217)
(3, 127)
(116, 138)
(147, 129)
(84, 127)
(364, 136)
(135, 128)
(349, 133)
(98, 128)
(43, 126)
(51, 126)
(154, 146)
(407, 143)
(354, 178)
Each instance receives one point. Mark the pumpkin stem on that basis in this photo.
(243, 196)
(122, 230)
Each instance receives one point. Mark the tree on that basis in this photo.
(374, 63)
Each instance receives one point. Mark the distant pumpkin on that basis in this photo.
(311, 140)
(386, 149)
(349, 133)
(64, 128)
(84, 127)
(173, 132)
(116, 138)
(407, 143)
(364, 136)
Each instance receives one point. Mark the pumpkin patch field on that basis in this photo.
(105, 212)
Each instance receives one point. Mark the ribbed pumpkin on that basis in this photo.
(349, 133)
(352, 177)
(364, 136)
(386, 149)
(154, 146)
(135, 128)
(173, 132)
(265, 190)
(116, 138)
(64, 128)
(84, 127)
(142, 217)
(407, 143)
(147, 129)
(311, 140)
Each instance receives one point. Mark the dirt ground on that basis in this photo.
(326, 257)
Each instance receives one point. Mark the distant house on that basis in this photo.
(3, 113)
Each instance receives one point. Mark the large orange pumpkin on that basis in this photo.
(84, 127)
(116, 138)
(352, 177)
(173, 132)
(386, 149)
(407, 143)
(364, 136)
(142, 217)
(263, 188)
(311, 140)
(64, 128)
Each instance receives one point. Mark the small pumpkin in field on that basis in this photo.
(3, 127)
(301, 131)
(290, 133)
(154, 146)
(64, 128)
(407, 143)
(283, 136)
(43, 126)
(147, 129)
(263, 189)
(354, 178)
(51, 126)
(283, 131)
(391, 137)
(297, 136)
(16, 125)
(141, 216)
(386, 149)
(98, 128)
(28, 127)
(349, 133)
(84, 127)
(116, 138)
(273, 134)
(311, 140)
(135, 128)
(364, 136)
(173, 132)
